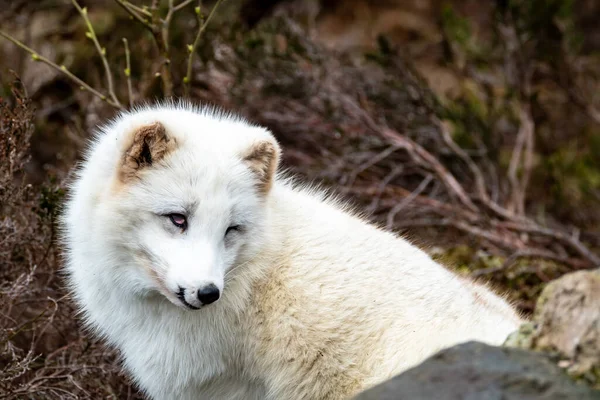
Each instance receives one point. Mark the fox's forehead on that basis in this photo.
(190, 172)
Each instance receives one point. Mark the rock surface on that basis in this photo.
(567, 323)
(475, 371)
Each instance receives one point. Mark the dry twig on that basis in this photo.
(91, 33)
(406, 201)
(159, 28)
(477, 219)
(202, 24)
(35, 56)
(128, 72)
(521, 161)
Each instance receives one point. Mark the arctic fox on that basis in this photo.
(217, 278)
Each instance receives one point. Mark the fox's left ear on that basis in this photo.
(147, 145)
(263, 158)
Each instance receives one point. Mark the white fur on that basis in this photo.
(316, 303)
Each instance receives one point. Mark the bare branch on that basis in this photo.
(349, 180)
(503, 241)
(523, 150)
(91, 33)
(480, 185)
(381, 188)
(406, 201)
(427, 160)
(134, 13)
(128, 71)
(416, 152)
(159, 33)
(202, 24)
(570, 240)
(140, 10)
(62, 69)
(182, 5)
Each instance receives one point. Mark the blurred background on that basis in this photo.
(470, 127)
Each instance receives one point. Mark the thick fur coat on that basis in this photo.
(313, 301)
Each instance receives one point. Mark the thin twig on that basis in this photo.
(476, 231)
(146, 23)
(522, 159)
(569, 240)
(182, 5)
(406, 201)
(138, 9)
(162, 41)
(159, 28)
(480, 186)
(202, 24)
(19, 329)
(101, 51)
(62, 69)
(128, 72)
(416, 152)
(426, 159)
(349, 181)
(528, 126)
(160, 35)
(381, 188)
(166, 23)
(187, 79)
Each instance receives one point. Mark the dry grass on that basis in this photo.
(43, 354)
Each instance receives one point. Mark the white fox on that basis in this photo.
(217, 278)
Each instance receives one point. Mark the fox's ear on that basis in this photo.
(148, 145)
(263, 158)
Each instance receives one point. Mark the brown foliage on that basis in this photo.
(43, 355)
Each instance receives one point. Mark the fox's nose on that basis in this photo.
(208, 294)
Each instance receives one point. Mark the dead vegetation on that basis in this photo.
(496, 178)
(43, 355)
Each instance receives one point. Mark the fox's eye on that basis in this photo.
(178, 220)
(232, 228)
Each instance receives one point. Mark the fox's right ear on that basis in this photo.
(263, 158)
(148, 145)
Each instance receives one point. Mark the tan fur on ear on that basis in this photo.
(262, 159)
(150, 144)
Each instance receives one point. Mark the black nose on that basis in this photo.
(208, 294)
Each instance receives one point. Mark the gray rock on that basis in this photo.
(475, 371)
(567, 322)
